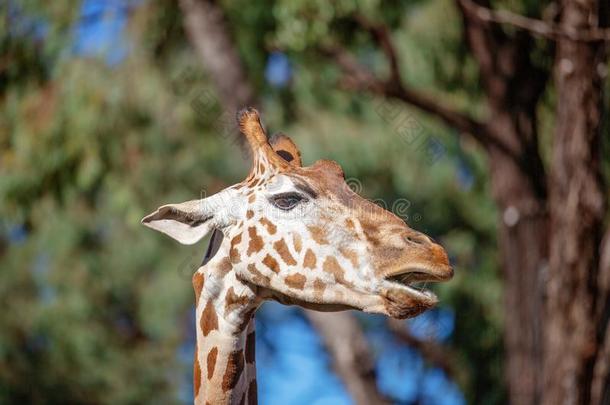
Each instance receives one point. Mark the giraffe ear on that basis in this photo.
(187, 222)
(286, 149)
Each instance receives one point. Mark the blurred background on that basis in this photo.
(477, 127)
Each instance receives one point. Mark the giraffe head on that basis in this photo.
(300, 235)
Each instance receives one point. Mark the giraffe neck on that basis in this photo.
(224, 364)
(225, 369)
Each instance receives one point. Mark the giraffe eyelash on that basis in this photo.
(287, 201)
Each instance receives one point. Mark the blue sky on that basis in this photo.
(294, 368)
(99, 32)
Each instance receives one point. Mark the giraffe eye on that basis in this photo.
(286, 201)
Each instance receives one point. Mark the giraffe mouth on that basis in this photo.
(414, 282)
(405, 294)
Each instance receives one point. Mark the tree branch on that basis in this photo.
(359, 78)
(433, 352)
(205, 25)
(381, 35)
(394, 85)
(513, 85)
(532, 25)
(350, 353)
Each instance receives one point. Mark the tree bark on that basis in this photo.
(600, 386)
(523, 246)
(577, 306)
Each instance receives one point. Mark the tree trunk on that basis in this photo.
(577, 305)
(513, 86)
(523, 246)
(600, 387)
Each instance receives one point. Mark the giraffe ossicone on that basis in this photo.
(297, 235)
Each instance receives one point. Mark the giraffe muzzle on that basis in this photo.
(404, 289)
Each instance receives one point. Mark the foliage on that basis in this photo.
(94, 312)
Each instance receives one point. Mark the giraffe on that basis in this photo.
(297, 235)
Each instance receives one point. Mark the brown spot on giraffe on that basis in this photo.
(318, 234)
(282, 249)
(318, 288)
(251, 198)
(256, 242)
(310, 260)
(197, 285)
(196, 373)
(250, 348)
(235, 365)
(350, 255)
(249, 214)
(233, 301)
(233, 252)
(271, 263)
(209, 319)
(297, 242)
(259, 277)
(211, 362)
(332, 266)
(225, 267)
(271, 228)
(252, 393)
(350, 224)
(296, 280)
(371, 232)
